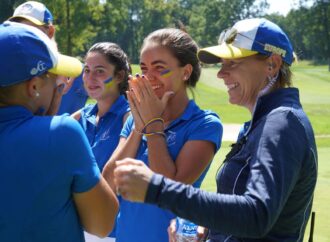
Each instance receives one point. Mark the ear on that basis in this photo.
(51, 31)
(187, 72)
(32, 87)
(274, 64)
(119, 77)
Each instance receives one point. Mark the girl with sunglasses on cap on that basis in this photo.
(266, 183)
(105, 77)
(167, 130)
(51, 187)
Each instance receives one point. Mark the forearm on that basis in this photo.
(97, 209)
(126, 148)
(241, 213)
(159, 159)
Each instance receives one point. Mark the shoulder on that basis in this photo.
(206, 118)
(65, 128)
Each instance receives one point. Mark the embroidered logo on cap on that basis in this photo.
(41, 66)
(275, 50)
(27, 8)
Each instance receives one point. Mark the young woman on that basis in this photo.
(266, 184)
(105, 77)
(167, 130)
(52, 188)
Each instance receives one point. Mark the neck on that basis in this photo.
(175, 107)
(105, 104)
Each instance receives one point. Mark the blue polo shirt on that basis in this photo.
(140, 222)
(43, 161)
(104, 136)
(75, 98)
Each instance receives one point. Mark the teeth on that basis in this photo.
(156, 87)
(232, 86)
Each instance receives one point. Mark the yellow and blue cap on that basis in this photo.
(249, 37)
(28, 52)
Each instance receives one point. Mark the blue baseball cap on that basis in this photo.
(249, 37)
(28, 52)
(35, 12)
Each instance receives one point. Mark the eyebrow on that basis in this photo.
(155, 62)
(99, 66)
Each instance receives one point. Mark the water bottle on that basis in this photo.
(186, 231)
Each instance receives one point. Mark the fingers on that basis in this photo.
(166, 97)
(135, 88)
(202, 233)
(131, 178)
(142, 87)
(171, 230)
(56, 100)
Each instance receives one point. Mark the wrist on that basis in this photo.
(154, 127)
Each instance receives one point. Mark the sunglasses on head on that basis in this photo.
(229, 35)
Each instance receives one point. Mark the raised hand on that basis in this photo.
(147, 104)
(132, 178)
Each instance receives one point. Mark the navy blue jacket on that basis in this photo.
(264, 187)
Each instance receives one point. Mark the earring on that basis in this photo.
(37, 94)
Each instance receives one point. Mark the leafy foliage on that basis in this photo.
(81, 23)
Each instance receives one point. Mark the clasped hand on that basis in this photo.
(144, 103)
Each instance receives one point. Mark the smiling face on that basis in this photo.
(97, 75)
(244, 78)
(163, 70)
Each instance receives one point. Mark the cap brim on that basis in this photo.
(214, 54)
(67, 66)
(29, 18)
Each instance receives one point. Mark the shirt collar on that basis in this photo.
(187, 114)
(283, 97)
(117, 105)
(14, 112)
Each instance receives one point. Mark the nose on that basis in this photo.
(222, 72)
(149, 75)
(88, 76)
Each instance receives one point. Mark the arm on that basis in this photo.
(274, 171)
(97, 209)
(76, 115)
(96, 204)
(127, 147)
(202, 139)
(275, 168)
(191, 161)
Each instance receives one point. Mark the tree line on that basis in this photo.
(80, 23)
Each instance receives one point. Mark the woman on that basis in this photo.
(265, 186)
(52, 188)
(105, 78)
(167, 130)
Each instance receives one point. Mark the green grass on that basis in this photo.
(314, 86)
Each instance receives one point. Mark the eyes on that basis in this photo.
(230, 64)
(158, 69)
(98, 71)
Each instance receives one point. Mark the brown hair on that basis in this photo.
(117, 57)
(181, 45)
(284, 76)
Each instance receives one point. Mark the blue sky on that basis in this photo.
(282, 6)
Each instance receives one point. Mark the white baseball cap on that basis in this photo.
(33, 11)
